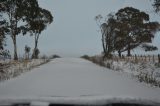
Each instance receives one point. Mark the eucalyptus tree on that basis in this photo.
(112, 37)
(113, 33)
(127, 29)
(38, 24)
(138, 29)
(15, 13)
(2, 34)
(109, 34)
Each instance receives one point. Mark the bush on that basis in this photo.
(17, 68)
(55, 56)
(85, 57)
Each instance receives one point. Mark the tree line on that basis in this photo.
(21, 17)
(128, 29)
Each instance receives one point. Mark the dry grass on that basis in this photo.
(16, 68)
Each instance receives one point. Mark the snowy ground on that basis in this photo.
(144, 71)
(16, 68)
(75, 77)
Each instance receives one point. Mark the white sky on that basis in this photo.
(74, 31)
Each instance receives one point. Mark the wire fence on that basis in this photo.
(139, 58)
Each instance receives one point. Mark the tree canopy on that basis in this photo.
(138, 28)
(127, 29)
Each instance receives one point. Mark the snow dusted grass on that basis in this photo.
(147, 72)
(11, 69)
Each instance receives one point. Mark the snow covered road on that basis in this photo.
(74, 77)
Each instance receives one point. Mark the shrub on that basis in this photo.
(85, 57)
(55, 56)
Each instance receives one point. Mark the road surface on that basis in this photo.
(74, 77)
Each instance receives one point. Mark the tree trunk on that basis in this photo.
(119, 53)
(109, 49)
(103, 44)
(15, 47)
(25, 56)
(36, 46)
(28, 56)
(103, 40)
(129, 50)
(34, 51)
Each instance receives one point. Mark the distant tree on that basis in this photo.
(156, 5)
(55, 56)
(98, 19)
(85, 57)
(138, 29)
(27, 51)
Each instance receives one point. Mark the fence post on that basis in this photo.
(145, 58)
(135, 58)
(141, 58)
(117, 58)
(158, 58)
(123, 58)
(153, 59)
(149, 58)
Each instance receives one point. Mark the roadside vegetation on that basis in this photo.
(124, 31)
(147, 71)
(21, 18)
(10, 69)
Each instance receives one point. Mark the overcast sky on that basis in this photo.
(74, 31)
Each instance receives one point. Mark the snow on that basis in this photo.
(144, 71)
(141, 70)
(14, 69)
(75, 78)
